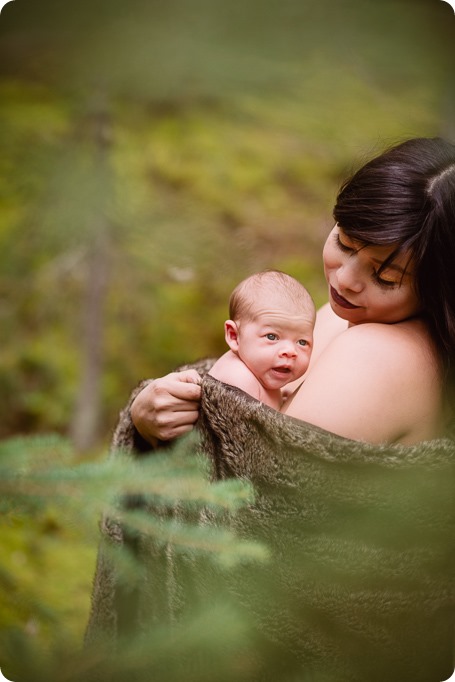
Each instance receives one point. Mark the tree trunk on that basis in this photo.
(85, 425)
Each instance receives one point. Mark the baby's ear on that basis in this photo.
(231, 334)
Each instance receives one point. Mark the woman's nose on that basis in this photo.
(349, 277)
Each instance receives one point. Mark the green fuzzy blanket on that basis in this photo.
(360, 582)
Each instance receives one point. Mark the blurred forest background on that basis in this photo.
(152, 154)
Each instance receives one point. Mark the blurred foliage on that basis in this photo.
(51, 502)
(186, 144)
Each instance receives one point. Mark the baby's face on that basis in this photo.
(276, 346)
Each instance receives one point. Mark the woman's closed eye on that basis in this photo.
(387, 283)
(341, 245)
(376, 274)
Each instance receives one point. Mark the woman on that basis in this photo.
(384, 345)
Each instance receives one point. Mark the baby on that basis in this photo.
(270, 336)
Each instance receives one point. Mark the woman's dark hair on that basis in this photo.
(406, 197)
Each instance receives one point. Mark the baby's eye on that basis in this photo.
(271, 337)
(302, 342)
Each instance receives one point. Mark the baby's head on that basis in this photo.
(249, 295)
(271, 325)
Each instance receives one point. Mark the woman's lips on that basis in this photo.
(339, 300)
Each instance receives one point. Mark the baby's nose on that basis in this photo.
(287, 349)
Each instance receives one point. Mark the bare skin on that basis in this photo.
(230, 369)
(374, 373)
(268, 351)
(385, 373)
(168, 407)
(398, 394)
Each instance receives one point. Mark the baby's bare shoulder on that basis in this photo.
(230, 369)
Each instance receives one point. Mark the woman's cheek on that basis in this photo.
(328, 263)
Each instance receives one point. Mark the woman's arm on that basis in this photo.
(167, 407)
(374, 382)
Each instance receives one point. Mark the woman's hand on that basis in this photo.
(167, 407)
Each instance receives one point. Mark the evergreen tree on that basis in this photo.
(50, 502)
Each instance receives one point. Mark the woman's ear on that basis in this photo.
(231, 334)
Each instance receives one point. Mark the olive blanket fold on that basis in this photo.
(359, 585)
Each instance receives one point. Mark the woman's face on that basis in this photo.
(357, 292)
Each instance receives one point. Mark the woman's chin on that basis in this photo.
(346, 314)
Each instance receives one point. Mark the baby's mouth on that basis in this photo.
(282, 370)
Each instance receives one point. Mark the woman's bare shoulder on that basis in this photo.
(395, 357)
(373, 382)
(408, 343)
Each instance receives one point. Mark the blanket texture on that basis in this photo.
(359, 586)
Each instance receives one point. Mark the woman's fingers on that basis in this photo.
(167, 407)
(176, 431)
(177, 387)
